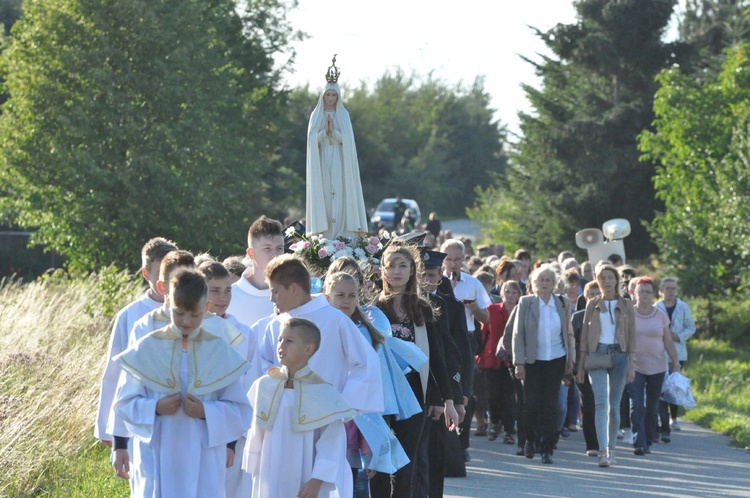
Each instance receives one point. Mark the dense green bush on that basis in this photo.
(724, 317)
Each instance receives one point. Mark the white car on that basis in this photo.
(384, 212)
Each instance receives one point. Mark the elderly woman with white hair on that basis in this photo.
(543, 351)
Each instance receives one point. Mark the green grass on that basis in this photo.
(52, 347)
(87, 475)
(720, 374)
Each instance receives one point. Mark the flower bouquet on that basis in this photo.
(319, 252)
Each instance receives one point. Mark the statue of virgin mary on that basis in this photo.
(335, 206)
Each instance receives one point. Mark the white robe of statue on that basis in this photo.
(335, 205)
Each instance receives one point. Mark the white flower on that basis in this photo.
(339, 254)
(330, 249)
(359, 253)
(290, 231)
(386, 235)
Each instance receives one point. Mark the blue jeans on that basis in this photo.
(607, 385)
(562, 406)
(643, 412)
(574, 405)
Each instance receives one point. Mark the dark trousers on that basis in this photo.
(438, 442)
(413, 434)
(541, 392)
(644, 401)
(588, 412)
(500, 394)
(625, 410)
(464, 428)
(518, 411)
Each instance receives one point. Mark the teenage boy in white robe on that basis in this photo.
(239, 484)
(151, 256)
(297, 442)
(251, 297)
(160, 317)
(181, 398)
(345, 358)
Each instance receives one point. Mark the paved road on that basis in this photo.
(463, 227)
(697, 462)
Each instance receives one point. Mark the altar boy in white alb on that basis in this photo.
(345, 358)
(251, 297)
(297, 442)
(181, 398)
(153, 252)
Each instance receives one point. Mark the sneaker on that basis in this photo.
(520, 451)
(592, 453)
(603, 461)
(508, 439)
(639, 451)
(573, 428)
(665, 438)
(620, 434)
(565, 432)
(676, 426)
(627, 436)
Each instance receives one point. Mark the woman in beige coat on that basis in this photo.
(608, 329)
(543, 351)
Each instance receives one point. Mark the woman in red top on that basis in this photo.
(494, 370)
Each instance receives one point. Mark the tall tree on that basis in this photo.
(130, 119)
(709, 28)
(700, 142)
(576, 164)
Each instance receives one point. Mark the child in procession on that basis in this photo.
(182, 400)
(297, 442)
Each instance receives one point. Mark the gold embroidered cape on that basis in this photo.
(154, 361)
(316, 402)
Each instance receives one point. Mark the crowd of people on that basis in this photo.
(234, 379)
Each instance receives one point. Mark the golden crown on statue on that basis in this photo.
(332, 75)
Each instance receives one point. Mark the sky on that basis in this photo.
(454, 41)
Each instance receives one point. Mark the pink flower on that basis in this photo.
(340, 245)
(373, 241)
(305, 245)
(322, 253)
(372, 249)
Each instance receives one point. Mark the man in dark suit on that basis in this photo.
(447, 444)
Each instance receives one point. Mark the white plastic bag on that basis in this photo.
(676, 390)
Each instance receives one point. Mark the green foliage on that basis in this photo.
(720, 375)
(709, 28)
(134, 119)
(726, 318)
(701, 142)
(490, 212)
(576, 165)
(412, 138)
(10, 12)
